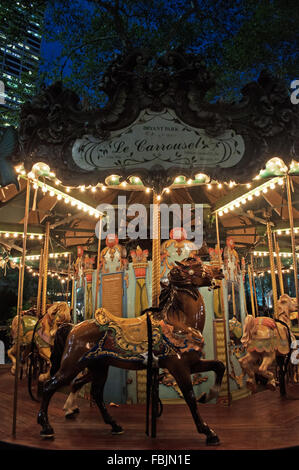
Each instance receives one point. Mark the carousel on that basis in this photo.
(159, 233)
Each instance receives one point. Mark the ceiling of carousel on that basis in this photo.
(71, 227)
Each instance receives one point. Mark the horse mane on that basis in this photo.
(170, 297)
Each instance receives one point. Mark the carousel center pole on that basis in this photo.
(20, 306)
(156, 256)
(291, 219)
(225, 357)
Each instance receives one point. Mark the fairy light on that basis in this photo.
(261, 189)
(10, 234)
(53, 191)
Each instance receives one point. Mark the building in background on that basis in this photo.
(19, 57)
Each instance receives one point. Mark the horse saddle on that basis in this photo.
(134, 330)
(269, 336)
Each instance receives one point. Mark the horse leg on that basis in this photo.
(12, 352)
(182, 375)
(249, 366)
(268, 359)
(45, 353)
(216, 366)
(281, 362)
(71, 407)
(50, 387)
(97, 391)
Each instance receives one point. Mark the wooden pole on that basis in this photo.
(291, 219)
(45, 266)
(278, 262)
(272, 267)
(98, 265)
(20, 306)
(223, 315)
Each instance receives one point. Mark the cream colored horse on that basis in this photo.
(45, 330)
(265, 340)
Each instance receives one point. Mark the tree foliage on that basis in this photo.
(236, 38)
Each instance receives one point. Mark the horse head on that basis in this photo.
(57, 314)
(193, 271)
(285, 306)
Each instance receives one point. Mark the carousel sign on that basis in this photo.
(158, 139)
(157, 124)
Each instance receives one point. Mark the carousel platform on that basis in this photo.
(259, 422)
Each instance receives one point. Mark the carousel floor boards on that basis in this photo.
(259, 422)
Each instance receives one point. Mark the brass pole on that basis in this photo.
(278, 261)
(68, 279)
(233, 298)
(243, 279)
(40, 283)
(223, 315)
(98, 265)
(272, 267)
(253, 284)
(251, 290)
(20, 306)
(291, 218)
(45, 263)
(156, 256)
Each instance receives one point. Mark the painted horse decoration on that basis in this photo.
(107, 340)
(266, 339)
(40, 331)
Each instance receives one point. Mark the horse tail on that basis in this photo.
(31, 359)
(58, 347)
(249, 329)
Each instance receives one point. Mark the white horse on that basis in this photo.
(266, 339)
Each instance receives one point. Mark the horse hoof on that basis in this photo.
(117, 430)
(271, 386)
(71, 415)
(251, 386)
(202, 398)
(213, 440)
(47, 433)
(47, 436)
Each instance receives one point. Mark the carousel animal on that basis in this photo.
(266, 339)
(107, 340)
(40, 331)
